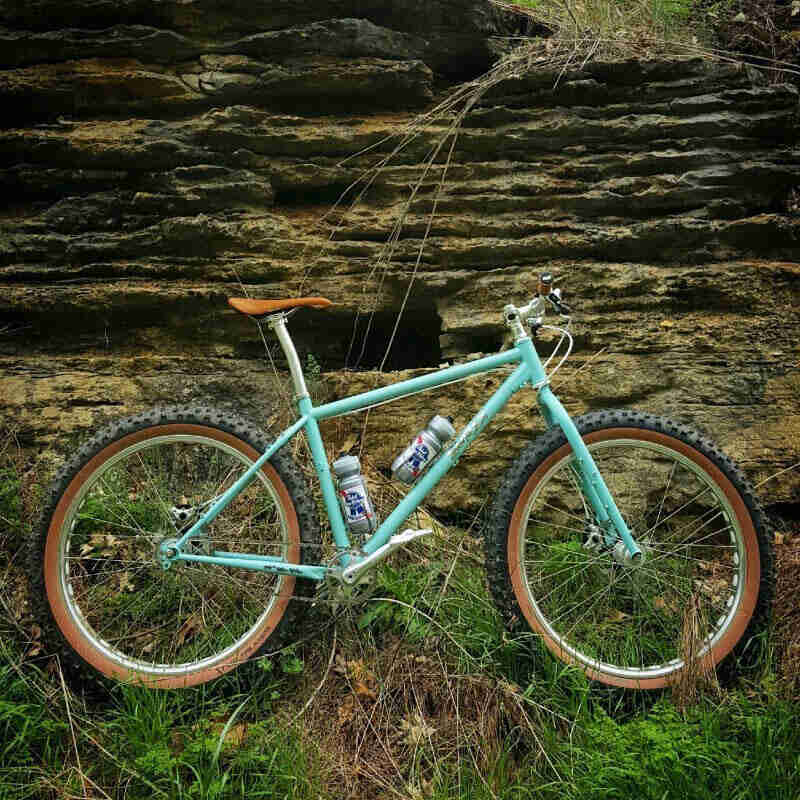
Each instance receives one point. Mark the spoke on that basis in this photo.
(612, 582)
(160, 499)
(260, 601)
(606, 590)
(561, 511)
(555, 525)
(664, 496)
(146, 632)
(86, 575)
(715, 511)
(546, 578)
(114, 496)
(675, 554)
(119, 616)
(688, 543)
(645, 604)
(678, 510)
(139, 531)
(574, 478)
(96, 584)
(208, 602)
(561, 550)
(217, 491)
(633, 486)
(649, 571)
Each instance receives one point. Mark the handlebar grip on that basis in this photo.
(563, 308)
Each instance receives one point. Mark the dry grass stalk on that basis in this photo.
(698, 674)
(787, 609)
(390, 719)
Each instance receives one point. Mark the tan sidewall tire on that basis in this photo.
(749, 597)
(52, 565)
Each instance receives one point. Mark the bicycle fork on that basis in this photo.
(592, 483)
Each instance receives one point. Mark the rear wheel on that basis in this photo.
(707, 556)
(138, 484)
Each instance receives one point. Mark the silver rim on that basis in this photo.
(190, 617)
(623, 620)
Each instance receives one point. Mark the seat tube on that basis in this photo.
(278, 323)
(323, 470)
(313, 436)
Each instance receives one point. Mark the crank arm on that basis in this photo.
(351, 573)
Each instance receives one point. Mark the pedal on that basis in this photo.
(351, 573)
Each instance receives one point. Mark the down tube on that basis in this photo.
(449, 458)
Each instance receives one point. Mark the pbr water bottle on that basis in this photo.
(422, 451)
(357, 508)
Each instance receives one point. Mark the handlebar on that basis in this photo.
(533, 313)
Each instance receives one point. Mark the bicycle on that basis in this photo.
(176, 543)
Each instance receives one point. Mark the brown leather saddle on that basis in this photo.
(260, 308)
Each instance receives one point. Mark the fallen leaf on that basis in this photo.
(349, 443)
(236, 733)
(362, 690)
(340, 664)
(192, 626)
(125, 583)
(416, 729)
(346, 709)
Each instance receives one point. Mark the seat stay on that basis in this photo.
(242, 483)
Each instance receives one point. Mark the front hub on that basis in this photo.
(621, 555)
(596, 540)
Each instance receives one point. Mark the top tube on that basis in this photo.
(413, 385)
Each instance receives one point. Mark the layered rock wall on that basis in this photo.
(155, 155)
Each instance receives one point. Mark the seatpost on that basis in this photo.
(278, 323)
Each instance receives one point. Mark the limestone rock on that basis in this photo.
(157, 157)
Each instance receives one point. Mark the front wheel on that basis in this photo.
(707, 563)
(142, 482)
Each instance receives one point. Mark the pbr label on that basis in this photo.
(356, 505)
(419, 456)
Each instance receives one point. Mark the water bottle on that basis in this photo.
(357, 508)
(422, 451)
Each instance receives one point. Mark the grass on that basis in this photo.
(624, 20)
(427, 697)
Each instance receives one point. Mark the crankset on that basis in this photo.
(337, 594)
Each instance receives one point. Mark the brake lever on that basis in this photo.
(558, 304)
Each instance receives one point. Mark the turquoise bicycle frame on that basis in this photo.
(529, 371)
